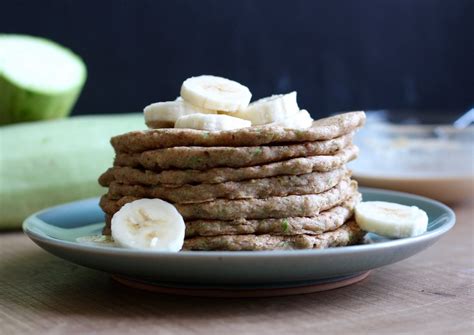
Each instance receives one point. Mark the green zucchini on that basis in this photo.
(39, 79)
(46, 163)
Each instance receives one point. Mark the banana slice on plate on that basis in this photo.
(391, 219)
(215, 93)
(300, 120)
(211, 122)
(271, 109)
(165, 114)
(149, 224)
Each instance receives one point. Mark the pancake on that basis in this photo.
(328, 220)
(311, 183)
(203, 158)
(347, 234)
(273, 207)
(174, 178)
(323, 129)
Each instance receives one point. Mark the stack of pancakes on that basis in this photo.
(256, 188)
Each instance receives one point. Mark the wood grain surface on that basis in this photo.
(430, 293)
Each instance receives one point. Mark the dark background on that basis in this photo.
(338, 55)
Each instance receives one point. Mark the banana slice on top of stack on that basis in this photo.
(215, 93)
(213, 103)
(165, 114)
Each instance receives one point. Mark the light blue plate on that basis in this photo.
(56, 229)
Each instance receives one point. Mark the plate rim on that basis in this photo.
(92, 249)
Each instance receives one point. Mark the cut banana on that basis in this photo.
(215, 93)
(149, 224)
(270, 109)
(391, 219)
(300, 120)
(165, 114)
(211, 122)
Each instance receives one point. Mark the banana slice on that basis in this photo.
(149, 224)
(215, 93)
(300, 120)
(391, 219)
(271, 109)
(211, 122)
(165, 114)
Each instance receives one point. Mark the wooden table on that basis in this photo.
(430, 293)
